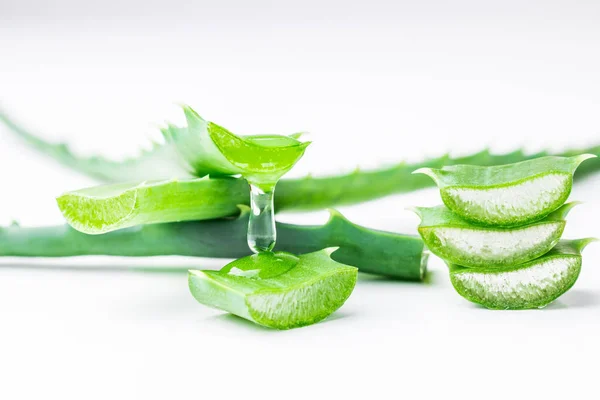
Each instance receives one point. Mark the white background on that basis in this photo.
(375, 83)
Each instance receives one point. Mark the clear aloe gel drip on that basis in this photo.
(262, 233)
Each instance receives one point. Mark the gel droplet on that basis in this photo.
(261, 226)
(264, 265)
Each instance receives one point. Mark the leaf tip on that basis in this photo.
(425, 171)
(330, 250)
(190, 113)
(416, 210)
(582, 157)
(335, 215)
(195, 272)
(583, 243)
(430, 172)
(298, 135)
(565, 209)
(304, 145)
(244, 210)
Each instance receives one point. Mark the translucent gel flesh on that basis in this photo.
(261, 226)
(496, 246)
(530, 197)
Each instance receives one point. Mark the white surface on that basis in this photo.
(414, 78)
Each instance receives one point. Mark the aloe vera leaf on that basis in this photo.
(534, 284)
(277, 290)
(456, 240)
(205, 148)
(197, 150)
(394, 255)
(122, 205)
(161, 162)
(209, 149)
(507, 195)
(107, 208)
(308, 193)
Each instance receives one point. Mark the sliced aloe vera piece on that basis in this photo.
(456, 240)
(534, 284)
(277, 290)
(507, 195)
(106, 208)
(209, 148)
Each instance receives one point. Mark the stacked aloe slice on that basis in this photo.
(500, 231)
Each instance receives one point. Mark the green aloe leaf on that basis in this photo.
(309, 193)
(506, 195)
(534, 284)
(277, 290)
(107, 208)
(394, 255)
(456, 240)
(211, 149)
(203, 148)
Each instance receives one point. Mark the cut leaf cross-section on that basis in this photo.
(534, 284)
(211, 149)
(107, 208)
(277, 290)
(507, 195)
(456, 240)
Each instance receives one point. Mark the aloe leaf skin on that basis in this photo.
(455, 240)
(262, 159)
(107, 208)
(534, 284)
(163, 162)
(277, 290)
(200, 149)
(206, 148)
(209, 148)
(394, 255)
(299, 194)
(507, 195)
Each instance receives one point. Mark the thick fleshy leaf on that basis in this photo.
(534, 284)
(456, 240)
(309, 193)
(277, 290)
(203, 148)
(394, 255)
(106, 208)
(211, 149)
(506, 195)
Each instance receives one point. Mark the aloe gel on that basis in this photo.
(534, 284)
(277, 290)
(458, 241)
(262, 233)
(268, 150)
(506, 195)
